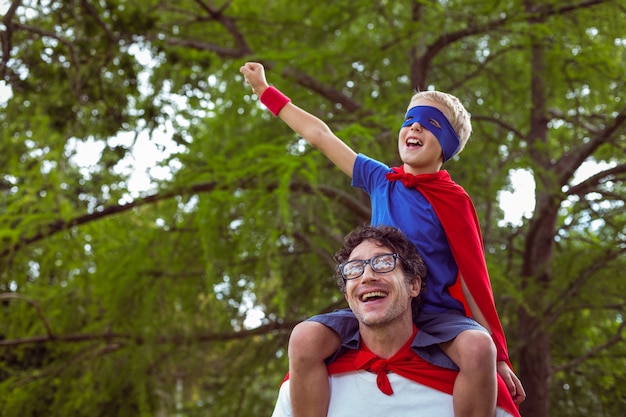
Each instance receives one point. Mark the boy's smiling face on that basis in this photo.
(419, 149)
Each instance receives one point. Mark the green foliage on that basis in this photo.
(118, 301)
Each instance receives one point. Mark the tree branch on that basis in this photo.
(111, 337)
(216, 15)
(617, 338)
(53, 369)
(33, 304)
(569, 162)
(91, 11)
(6, 36)
(501, 123)
(545, 10)
(57, 226)
(552, 313)
(329, 93)
(421, 62)
(591, 183)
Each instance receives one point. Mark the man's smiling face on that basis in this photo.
(379, 298)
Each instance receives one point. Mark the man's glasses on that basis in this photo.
(380, 263)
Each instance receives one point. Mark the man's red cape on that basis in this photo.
(457, 215)
(408, 364)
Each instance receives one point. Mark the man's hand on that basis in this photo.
(512, 382)
(254, 73)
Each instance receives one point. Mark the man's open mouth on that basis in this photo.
(374, 295)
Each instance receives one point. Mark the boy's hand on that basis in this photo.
(254, 73)
(512, 382)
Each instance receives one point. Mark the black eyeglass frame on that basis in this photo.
(365, 262)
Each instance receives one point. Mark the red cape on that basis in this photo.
(425, 373)
(457, 215)
(408, 364)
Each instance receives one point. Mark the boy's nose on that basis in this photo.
(416, 126)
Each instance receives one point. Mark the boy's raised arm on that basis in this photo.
(312, 129)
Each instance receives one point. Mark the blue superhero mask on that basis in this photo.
(445, 134)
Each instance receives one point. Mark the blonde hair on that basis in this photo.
(457, 115)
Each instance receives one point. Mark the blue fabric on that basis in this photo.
(433, 330)
(393, 204)
(443, 317)
(445, 133)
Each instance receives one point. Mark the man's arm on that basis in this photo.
(312, 129)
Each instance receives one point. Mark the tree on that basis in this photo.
(124, 302)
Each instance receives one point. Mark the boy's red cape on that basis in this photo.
(459, 220)
(457, 215)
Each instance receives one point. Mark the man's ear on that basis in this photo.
(415, 287)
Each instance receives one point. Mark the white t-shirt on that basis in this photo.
(356, 394)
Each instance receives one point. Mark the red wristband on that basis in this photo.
(274, 100)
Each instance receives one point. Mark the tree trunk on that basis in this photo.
(535, 360)
(534, 368)
(534, 355)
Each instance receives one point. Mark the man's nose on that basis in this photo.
(416, 126)
(369, 273)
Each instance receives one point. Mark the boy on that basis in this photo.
(439, 218)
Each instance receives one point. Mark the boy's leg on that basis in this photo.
(309, 344)
(475, 388)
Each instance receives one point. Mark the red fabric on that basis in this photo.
(404, 363)
(274, 100)
(457, 215)
(408, 364)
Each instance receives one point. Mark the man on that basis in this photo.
(377, 372)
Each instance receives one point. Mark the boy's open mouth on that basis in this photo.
(413, 142)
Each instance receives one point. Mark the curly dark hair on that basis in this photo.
(412, 263)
